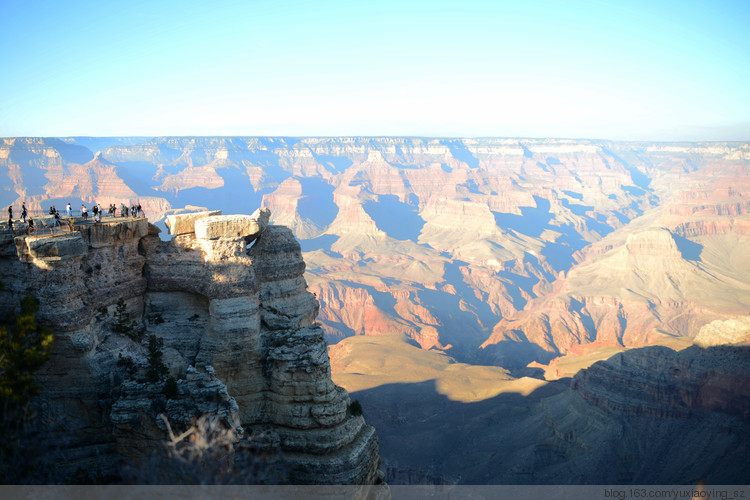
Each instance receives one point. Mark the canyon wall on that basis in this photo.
(228, 300)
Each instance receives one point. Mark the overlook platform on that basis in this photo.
(54, 240)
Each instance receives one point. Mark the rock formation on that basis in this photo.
(521, 245)
(227, 303)
(649, 415)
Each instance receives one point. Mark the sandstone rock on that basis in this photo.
(51, 248)
(112, 233)
(660, 382)
(185, 223)
(237, 331)
(135, 414)
(228, 226)
(284, 299)
(718, 332)
(263, 216)
(653, 242)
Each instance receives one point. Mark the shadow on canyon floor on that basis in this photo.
(548, 436)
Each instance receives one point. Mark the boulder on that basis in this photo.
(52, 247)
(262, 215)
(185, 223)
(227, 227)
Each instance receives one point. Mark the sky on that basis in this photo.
(620, 70)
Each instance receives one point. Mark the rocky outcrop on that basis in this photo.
(660, 382)
(185, 223)
(732, 331)
(234, 327)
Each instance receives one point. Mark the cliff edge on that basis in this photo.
(235, 327)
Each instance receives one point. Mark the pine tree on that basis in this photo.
(24, 348)
(156, 368)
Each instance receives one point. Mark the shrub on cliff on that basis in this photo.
(24, 348)
(356, 408)
(122, 323)
(208, 452)
(156, 368)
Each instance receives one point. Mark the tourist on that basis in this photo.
(140, 210)
(30, 229)
(84, 212)
(23, 211)
(95, 210)
(69, 211)
(123, 210)
(10, 211)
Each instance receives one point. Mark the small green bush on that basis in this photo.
(355, 408)
(156, 368)
(170, 388)
(127, 363)
(122, 324)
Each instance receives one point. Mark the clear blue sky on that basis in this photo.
(632, 70)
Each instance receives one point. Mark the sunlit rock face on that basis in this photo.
(237, 331)
(185, 223)
(526, 247)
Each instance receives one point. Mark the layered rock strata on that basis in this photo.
(238, 336)
(712, 379)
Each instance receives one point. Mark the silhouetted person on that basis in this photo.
(30, 229)
(23, 211)
(10, 211)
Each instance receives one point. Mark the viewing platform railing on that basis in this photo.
(46, 225)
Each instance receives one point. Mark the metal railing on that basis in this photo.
(73, 213)
(43, 224)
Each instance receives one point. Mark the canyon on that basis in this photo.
(227, 301)
(476, 275)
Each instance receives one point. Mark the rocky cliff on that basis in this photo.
(227, 302)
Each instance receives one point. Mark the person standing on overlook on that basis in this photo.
(10, 211)
(24, 213)
(68, 211)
